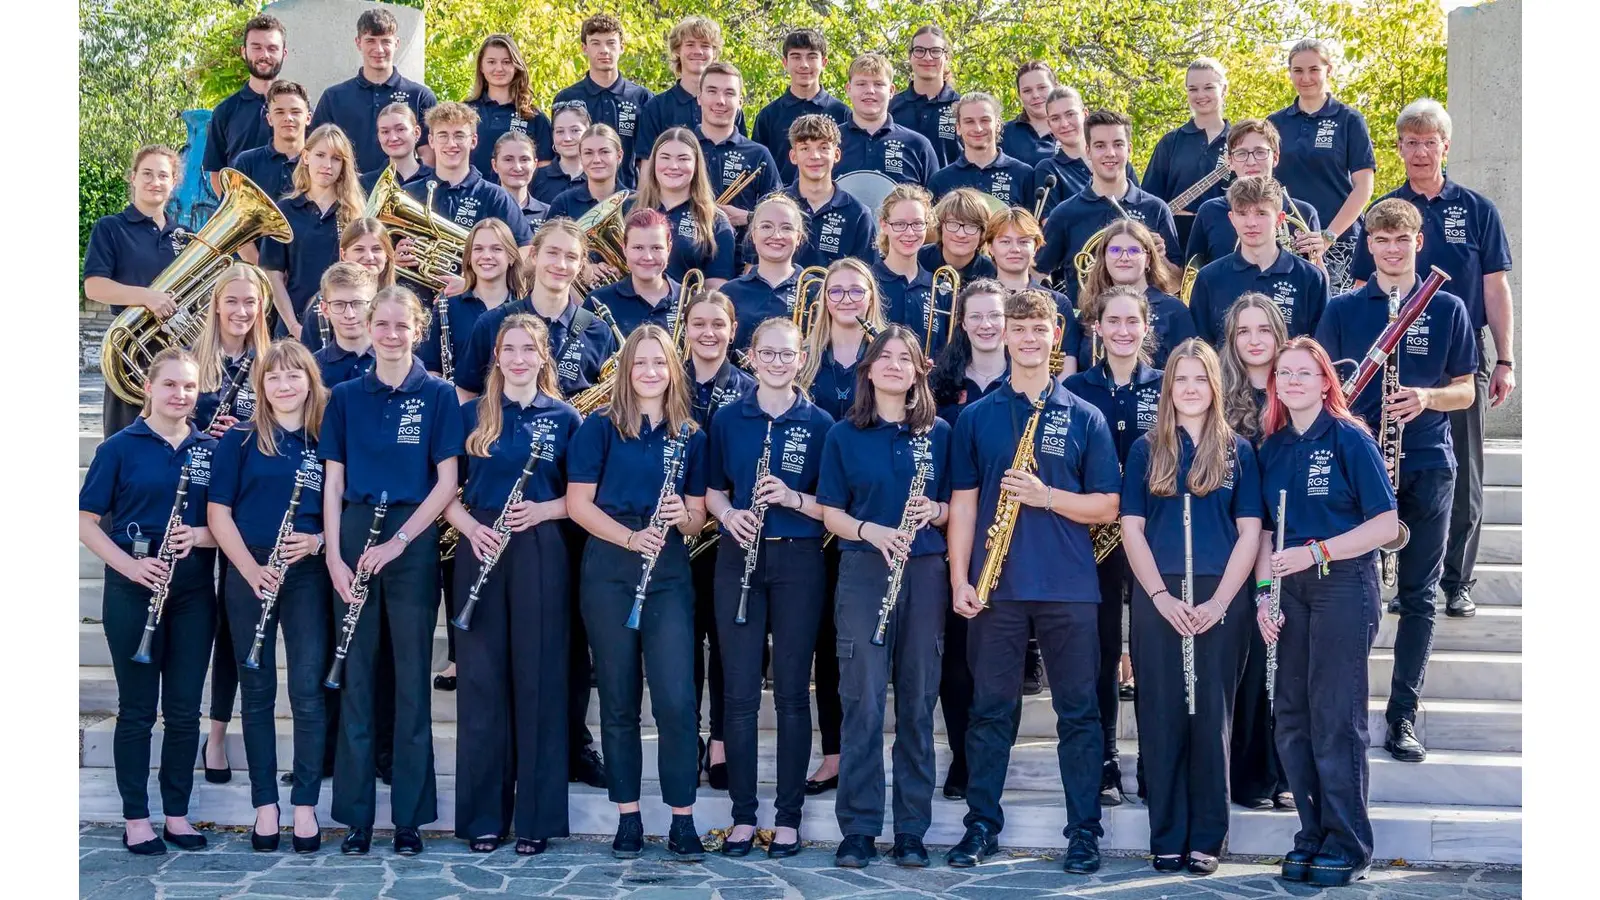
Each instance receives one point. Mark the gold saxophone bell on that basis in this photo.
(951, 279)
(1058, 356)
(603, 226)
(438, 243)
(596, 395)
(1191, 272)
(1105, 539)
(137, 335)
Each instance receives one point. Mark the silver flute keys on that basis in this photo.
(1188, 600)
(1275, 606)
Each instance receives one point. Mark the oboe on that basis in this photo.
(1188, 600)
(225, 407)
(1274, 605)
(447, 354)
(897, 565)
(669, 486)
(277, 566)
(463, 619)
(158, 596)
(358, 596)
(759, 507)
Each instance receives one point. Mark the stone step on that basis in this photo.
(87, 441)
(1412, 832)
(1500, 544)
(1494, 628)
(1447, 777)
(1502, 463)
(1467, 675)
(1502, 505)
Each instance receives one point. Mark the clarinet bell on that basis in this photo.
(335, 678)
(253, 660)
(142, 655)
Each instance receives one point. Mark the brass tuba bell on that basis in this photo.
(439, 244)
(603, 226)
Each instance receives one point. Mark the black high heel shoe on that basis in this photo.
(308, 844)
(444, 682)
(267, 843)
(813, 788)
(222, 775)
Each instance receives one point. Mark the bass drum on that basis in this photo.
(868, 186)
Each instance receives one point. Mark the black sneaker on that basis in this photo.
(908, 852)
(629, 842)
(855, 851)
(1111, 784)
(1460, 605)
(587, 766)
(683, 840)
(1083, 854)
(1402, 743)
(1394, 606)
(976, 845)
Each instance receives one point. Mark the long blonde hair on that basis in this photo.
(1238, 395)
(347, 193)
(208, 346)
(702, 202)
(1213, 453)
(623, 409)
(516, 274)
(490, 423)
(286, 354)
(821, 332)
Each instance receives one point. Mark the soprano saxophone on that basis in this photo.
(163, 588)
(1188, 600)
(897, 565)
(1004, 525)
(669, 486)
(759, 507)
(463, 619)
(358, 594)
(277, 566)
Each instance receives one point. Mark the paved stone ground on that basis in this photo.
(584, 868)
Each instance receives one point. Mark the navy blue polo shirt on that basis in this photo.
(1072, 175)
(906, 302)
(1007, 178)
(340, 365)
(1298, 287)
(1438, 347)
(772, 123)
(392, 439)
(272, 171)
(726, 387)
(534, 212)
(1212, 236)
(1170, 324)
(619, 106)
(129, 248)
(1182, 157)
(895, 150)
(1129, 410)
(133, 479)
(1051, 557)
(1214, 517)
(714, 258)
(369, 180)
(464, 310)
(1071, 224)
(867, 473)
(627, 474)
(1319, 151)
(931, 257)
(738, 432)
(471, 200)
(632, 310)
(726, 161)
(244, 402)
(495, 119)
(314, 248)
(1019, 140)
(550, 182)
(674, 107)
(1461, 234)
(932, 117)
(256, 487)
(354, 106)
(755, 301)
(237, 124)
(579, 343)
(546, 423)
(841, 227)
(1334, 475)
(834, 387)
(967, 393)
(576, 201)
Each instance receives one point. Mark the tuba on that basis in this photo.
(439, 243)
(137, 334)
(603, 227)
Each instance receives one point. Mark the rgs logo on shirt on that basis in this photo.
(1327, 129)
(542, 435)
(689, 228)
(793, 458)
(894, 157)
(922, 458)
(830, 236)
(1320, 473)
(627, 118)
(732, 167)
(570, 366)
(467, 212)
(400, 97)
(722, 395)
(244, 403)
(518, 123)
(200, 466)
(410, 428)
(311, 466)
(1416, 338)
(947, 122)
(1055, 430)
(1000, 186)
(1455, 225)
(1145, 411)
(1283, 295)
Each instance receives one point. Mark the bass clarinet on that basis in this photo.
(277, 566)
(897, 566)
(463, 619)
(1275, 605)
(759, 507)
(358, 594)
(669, 486)
(1189, 679)
(158, 596)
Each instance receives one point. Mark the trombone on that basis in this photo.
(694, 284)
(948, 276)
(807, 310)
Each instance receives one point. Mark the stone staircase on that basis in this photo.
(1464, 804)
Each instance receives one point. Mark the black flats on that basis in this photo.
(1167, 864)
(738, 849)
(813, 788)
(1201, 865)
(153, 847)
(532, 846)
(487, 844)
(184, 841)
(444, 682)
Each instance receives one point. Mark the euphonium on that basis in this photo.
(1004, 525)
(951, 279)
(603, 227)
(1084, 261)
(438, 243)
(137, 335)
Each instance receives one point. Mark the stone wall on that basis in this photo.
(1486, 146)
(322, 40)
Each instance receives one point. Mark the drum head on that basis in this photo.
(868, 186)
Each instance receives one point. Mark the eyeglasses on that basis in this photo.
(340, 307)
(929, 52)
(783, 228)
(1430, 145)
(854, 293)
(1301, 376)
(1124, 252)
(993, 318)
(954, 227)
(903, 227)
(769, 355)
(1245, 154)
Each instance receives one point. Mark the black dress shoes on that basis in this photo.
(1459, 604)
(1329, 870)
(855, 851)
(184, 841)
(1255, 802)
(1167, 863)
(357, 843)
(444, 682)
(813, 788)
(629, 842)
(908, 852)
(587, 766)
(153, 847)
(978, 844)
(407, 841)
(953, 791)
(532, 846)
(1283, 800)
(738, 849)
(683, 840)
(776, 850)
(1402, 743)
(1297, 865)
(1083, 854)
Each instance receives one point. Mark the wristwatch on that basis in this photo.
(403, 538)
(1507, 363)
(1329, 236)
(321, 542)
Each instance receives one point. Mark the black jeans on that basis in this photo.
(580, 669)
(1186, 756)
(955, 694)
(511, 688)
(224, 668)
(1113, 577)
(1424, 503)
(786, 597)
(174, 678)
(1069, 641)
(405, 595)
(1328, 629)
(707, 655)
(910, 660)
(303, 611)
(623, 658)
(830, 715)
(1466, 512)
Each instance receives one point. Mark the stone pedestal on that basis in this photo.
(1485, 150)
(322, 41)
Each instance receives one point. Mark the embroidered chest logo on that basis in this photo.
(1227, 477)
(400, 97)
(1135, 214)
(410, 428)
(1145, 408)
(795, 441)
(467, 211)
(1327, 130)
(1320, 473)
(518, 123)
(570, 366)
(688, 228)
(894, 157)
(312, 467)
(1455, 225)
(947, 122)
(830, 236)
(200, 466)
(542, 435)
(1000, 186)
(666, 454)
(732, 166)
(244, 403)
(722, 395)
(1416, 340)
(1055, 430)
(627, 118)
(1283, 295)
(922, 456)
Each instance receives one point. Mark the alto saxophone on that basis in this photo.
(277, 566)
(358, 594)
(897, 565)
(1004, 525)
(463, 619)
(669, 486)
(163, 588)
(759, 507)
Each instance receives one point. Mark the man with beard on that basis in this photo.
(239, 122)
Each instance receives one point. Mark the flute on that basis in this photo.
(1274, 605)
(1188, 600)
(358, 596)
(276, 565)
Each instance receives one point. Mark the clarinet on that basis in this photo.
(322, 320)
(1188, 600)
(669, 485)
(158, 596)
(759, 507)
(463, 619)
(276, 565)
(897, 567)
(358, 593)
(1274, 606)
(225, 407)
(447, 354)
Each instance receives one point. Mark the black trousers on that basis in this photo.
(405, 595)
(224, 667)
(1466, 512)
(383, 709)
(1113, 576)
(1186, 756)
(173, 678)
(786, 597)
(623, 658)
(303, 611)
(955, 694)
(1254, 772)
(830, 715)
(910, 660)
(452, 603)
(511, 688)
(707, 655)
(1069, 642)
(580, 669)
(1329, 626)
(115, 415)
(1424, 503)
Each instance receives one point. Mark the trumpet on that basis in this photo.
(951, 279)
(739, 183)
